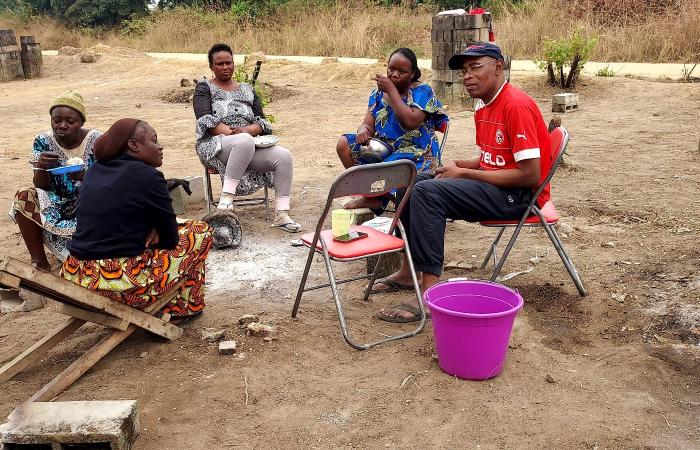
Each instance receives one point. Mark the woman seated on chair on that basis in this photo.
(229, 115)
(403, 113)
(45, 212)
(128, 245)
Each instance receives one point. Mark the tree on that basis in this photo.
(89, 12)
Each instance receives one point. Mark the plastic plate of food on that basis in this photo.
(66, 169)
(267, 140)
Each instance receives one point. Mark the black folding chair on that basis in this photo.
(369, 180)
(547, 217)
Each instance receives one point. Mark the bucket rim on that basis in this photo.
(508, 312)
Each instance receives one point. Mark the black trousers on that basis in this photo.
(436, 199)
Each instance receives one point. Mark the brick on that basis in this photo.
(115, 423)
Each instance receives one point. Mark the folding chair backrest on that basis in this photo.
(373, 180)
(559, 139)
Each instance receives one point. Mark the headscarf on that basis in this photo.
(71, 99)
(114, 142)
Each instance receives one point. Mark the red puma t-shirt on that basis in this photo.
(509, 129)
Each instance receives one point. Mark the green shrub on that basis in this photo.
(605, 72)
(564, 58)
(241, 75)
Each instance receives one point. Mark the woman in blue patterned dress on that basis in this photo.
(402, 112)
(45, 212)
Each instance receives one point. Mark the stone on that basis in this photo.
(550, 378)
(565, 228)
(227, 347)
(248, 318)
(114, 422)
(608, 245)
(184, 82)
(87, 58)
(259, 329)
(211, 335)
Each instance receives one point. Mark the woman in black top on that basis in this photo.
(128, 245)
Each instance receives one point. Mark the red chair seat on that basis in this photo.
(375, 242)
(548, 210)
(211, 170)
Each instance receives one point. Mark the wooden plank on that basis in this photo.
(34, 352)
(91, 316)
(9, 281)
(81, 365)
(64, 291)
(95, 353)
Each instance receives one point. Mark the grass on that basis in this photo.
(628, 30)
(605, 72)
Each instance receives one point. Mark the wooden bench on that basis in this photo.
(82, 305)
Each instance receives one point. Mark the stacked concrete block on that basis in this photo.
(564, 103)
(110, 425)
(32, 62)
(450, 35)
(10, 57)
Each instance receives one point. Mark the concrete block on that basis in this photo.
(19, 301)
(104, 424)
(391, 262)
(564, 102)
(197, 188)
(182, 201)
(227, 347)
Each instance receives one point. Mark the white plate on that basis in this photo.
(267, 140)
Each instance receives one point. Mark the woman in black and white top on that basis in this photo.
(229, 115)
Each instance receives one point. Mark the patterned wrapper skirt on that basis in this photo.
(140, 280)
(26, 202)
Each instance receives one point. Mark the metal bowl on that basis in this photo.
(375, 151)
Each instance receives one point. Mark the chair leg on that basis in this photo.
(566, 259)
(373, 278)
(506, 251)
(302, 285)
(492, 249)
(268, 215)
(207, 190)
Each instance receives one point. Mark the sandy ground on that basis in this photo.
(626, 373)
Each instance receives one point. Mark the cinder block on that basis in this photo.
(113, 423)
(197, 188)
(564, 102)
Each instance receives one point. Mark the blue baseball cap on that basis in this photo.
(475, 50)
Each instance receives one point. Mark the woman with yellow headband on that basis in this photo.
(45, 212)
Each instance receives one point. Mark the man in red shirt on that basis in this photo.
(498, 185)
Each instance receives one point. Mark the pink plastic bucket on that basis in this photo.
(472, 322)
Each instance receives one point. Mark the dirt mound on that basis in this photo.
(69, 51)
(177, 95)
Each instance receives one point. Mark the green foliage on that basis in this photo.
(241, 75)
(605, 72)
(88, 13)
(566, 57)
(136, 26)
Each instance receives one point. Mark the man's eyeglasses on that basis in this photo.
(473, 68)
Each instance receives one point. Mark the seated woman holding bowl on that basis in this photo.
(229, 116)
(45, 212)
(128, 245)
(403, 113)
